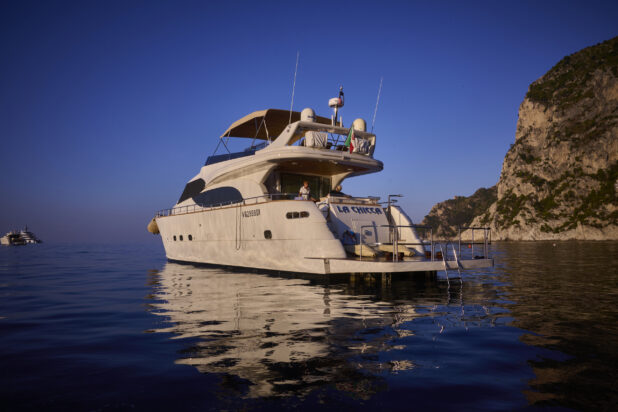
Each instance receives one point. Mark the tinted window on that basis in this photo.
(220, 195)
(296, 215)
(291, 183)
(192, 189)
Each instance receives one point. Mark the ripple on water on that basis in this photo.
(117, 327)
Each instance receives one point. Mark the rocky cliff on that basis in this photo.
(560, 177)
(445, 217)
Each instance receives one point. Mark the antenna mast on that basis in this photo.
(373, 122)
(336, 103)
(294, 86)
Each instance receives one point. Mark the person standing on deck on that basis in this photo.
(305, 191)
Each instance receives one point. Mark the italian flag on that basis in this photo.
(349, 141)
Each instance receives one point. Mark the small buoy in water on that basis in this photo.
(153, 227)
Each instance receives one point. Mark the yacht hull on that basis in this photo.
(262, 236)
(257, 236)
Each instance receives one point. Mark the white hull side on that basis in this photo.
(234, 236)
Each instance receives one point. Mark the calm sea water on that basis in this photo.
(102, 327)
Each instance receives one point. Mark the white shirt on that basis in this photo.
(304, 192)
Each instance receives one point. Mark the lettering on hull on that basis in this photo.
(361, 210)
(251, 213)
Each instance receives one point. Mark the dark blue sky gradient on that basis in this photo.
(107, 108)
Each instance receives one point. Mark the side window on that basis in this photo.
(320, 186)
(296, 215)
(221, 195)
(192, 189)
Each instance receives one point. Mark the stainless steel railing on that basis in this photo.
(396, 243)
(486, 239)
(181, 210)
(395, 235)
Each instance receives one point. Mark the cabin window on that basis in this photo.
(180, 237)
(291, 183)
(190, 237)
(268, 234)
(192, 189)
(174, 238)
(219, 196)
(296, 215)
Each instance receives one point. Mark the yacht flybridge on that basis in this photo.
(247, 208)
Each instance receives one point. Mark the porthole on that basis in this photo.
(268, 234)
(296, 215)
(190, 237)
(174, 238)
(181, 238)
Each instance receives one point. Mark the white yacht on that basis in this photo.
(19, 238)
(246, 209)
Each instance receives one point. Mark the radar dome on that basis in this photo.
(307, 115)
(360, 125)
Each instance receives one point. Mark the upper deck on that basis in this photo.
(285, 151)
(277, 129)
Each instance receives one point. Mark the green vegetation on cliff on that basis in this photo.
(447, 216)
(560, 177)
(564, 85)
(560, 202)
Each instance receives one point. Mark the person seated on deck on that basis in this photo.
(337, 192)
(305, 191)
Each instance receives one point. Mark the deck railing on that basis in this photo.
(486, 240)
(394, 229)
(431, 244)
(181, 210)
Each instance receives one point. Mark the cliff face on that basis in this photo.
(560, 177)
(445, 217)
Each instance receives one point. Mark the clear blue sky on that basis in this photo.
(107, 108)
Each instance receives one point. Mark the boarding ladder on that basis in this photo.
(443, 252)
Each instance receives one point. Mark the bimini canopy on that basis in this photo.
(265, 124)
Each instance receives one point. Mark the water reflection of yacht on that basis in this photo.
(243, 209)
(257, 326)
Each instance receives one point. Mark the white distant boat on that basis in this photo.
(19, 238)
(246, 209)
